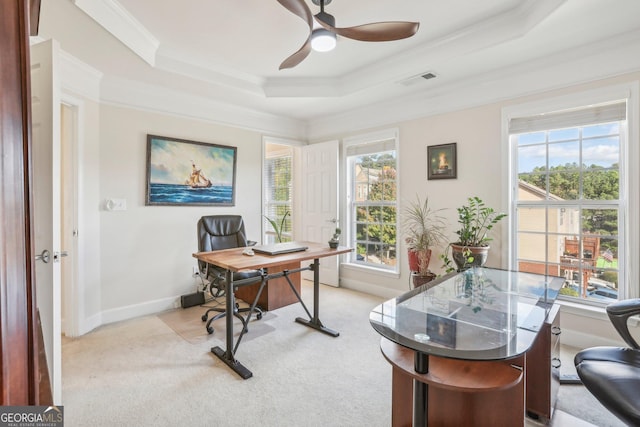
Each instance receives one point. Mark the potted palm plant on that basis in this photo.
(422, 229)
(472, 247)
(279, 228)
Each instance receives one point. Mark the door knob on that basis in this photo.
(45, 256)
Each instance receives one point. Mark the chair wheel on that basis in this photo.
(210, 330)
(259, 316)
(204, 317)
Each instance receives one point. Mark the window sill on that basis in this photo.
(584, 310)
(372, 270)
(590, 311)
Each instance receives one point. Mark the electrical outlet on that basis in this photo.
(196, 272)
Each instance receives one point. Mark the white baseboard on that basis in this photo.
(368, 288)
(137, 310)
(580, 339)
(90, 323)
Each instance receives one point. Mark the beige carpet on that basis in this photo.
(159, 371)
(189, 325)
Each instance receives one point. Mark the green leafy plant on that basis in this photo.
(335, 239)
(278, 228)
(476, 220)
(336, 234)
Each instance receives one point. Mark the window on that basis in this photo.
(569, 207)
(372, 199)
(278, 186)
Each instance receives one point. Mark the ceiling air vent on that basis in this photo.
(417, 79)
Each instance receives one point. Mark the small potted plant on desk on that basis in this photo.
(423, 229)
(472, 247)
(335, 240)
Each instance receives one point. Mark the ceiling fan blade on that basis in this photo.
(299, 8)
(297, 57)
(376, 31)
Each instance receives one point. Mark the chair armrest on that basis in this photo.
(619, 312)
(251, 242)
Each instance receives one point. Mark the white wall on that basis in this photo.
(146, 261)
(477, 132)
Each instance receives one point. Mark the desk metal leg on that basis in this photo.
(420, 391)
(227, 355)
(315, 322)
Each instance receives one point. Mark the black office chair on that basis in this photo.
(612, 374)
(217, 232)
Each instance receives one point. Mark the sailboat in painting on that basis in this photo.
(197, 178)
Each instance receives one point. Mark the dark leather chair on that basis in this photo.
(612, 374)
(216, 232)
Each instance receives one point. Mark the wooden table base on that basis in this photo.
(277, 293)
(461, 393)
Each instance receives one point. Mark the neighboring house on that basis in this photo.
(532, 258)
(365, 177)
(563, 246)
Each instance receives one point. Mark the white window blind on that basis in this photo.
(278, 182)
(371, 147)
(604, 113)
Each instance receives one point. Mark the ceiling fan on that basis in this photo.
(324, 39)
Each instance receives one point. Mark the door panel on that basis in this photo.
(320, 180)
(45, 104)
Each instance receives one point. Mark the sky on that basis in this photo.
(600, 146)
(170, 162)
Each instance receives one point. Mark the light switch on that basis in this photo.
(116, 204)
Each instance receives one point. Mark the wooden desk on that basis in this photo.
(476, 322)
(234, 261)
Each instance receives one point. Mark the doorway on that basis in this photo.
(69, 131)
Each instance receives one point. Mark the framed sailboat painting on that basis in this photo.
(182, 172)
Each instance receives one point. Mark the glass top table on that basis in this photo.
(477, 314)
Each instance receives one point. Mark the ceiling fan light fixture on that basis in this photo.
(323, 40)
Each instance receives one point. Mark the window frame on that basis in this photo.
(293, 146)
(349, 230)
(629, 238)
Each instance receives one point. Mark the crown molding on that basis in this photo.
(507, 25)
(76, 76)
(147, 97)
(79, 78)
(123, 26)
(173, 62)
(616, 56)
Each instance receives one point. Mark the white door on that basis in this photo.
(45, 96)
(320, 202)
(70, 302)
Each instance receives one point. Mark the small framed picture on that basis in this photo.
(442, 330)
(442, 161)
